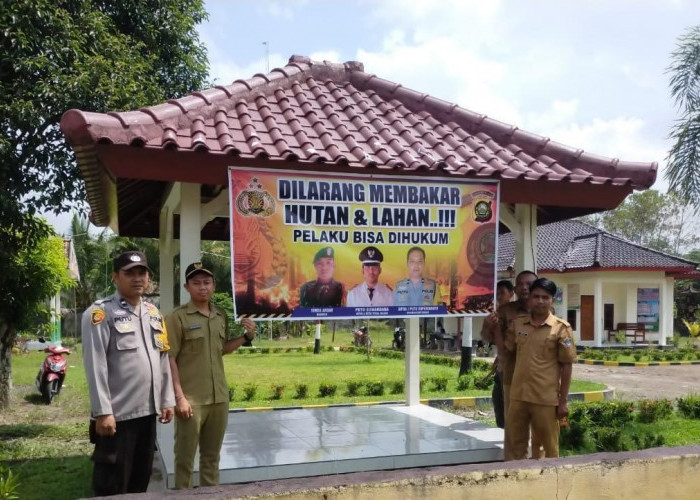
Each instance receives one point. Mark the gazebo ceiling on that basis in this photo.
(326, 117)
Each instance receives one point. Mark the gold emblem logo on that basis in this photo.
(255, 201)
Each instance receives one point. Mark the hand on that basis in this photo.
(491, 321)
(105, 425)
(250, 328)
(562, 410)
(183, 409)
(166, 415)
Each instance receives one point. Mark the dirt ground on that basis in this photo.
(652, 382)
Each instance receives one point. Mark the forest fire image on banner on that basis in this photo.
(313, 246)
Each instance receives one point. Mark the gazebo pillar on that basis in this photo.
(665, 310)
(522, 222)
(412, 371)
(190, 231)
(168, 248)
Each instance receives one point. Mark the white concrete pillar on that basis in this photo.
(526, 239)
(412, 375)
(665, 310)
(166, 269)
(598, 312)
(190, 231)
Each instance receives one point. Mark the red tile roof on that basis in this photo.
(337, 115)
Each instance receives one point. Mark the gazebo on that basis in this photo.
(161, 171)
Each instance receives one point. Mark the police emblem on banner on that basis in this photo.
(482, 206)
(255, 201)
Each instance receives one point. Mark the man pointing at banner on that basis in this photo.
(371, 292)
(324, 290)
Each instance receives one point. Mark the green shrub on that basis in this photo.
(655, 354)
(465, 382)
(611, 354)
(689, 406)
(609, 413)
(481, 365)
(8, 484)
(301, 391)
(249, 391)
(354, 387)
(277, 391)
(483, 381)
(440, 384)
(593, 354)
(608, 439)
(277, 350)
(327, 390)
(637, 355)
(573, 436)
(652, 410)
(374, 388)
(231, 392)
(309, 348)
(645, 440)
(264, 350)
(396, 387)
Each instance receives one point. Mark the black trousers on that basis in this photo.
(123, 462)
(497, 399)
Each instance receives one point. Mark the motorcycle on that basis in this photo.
(52, 372)
(399, 341)
(361, 337)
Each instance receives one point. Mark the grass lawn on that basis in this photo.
(39, 441)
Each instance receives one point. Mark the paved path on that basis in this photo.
(641, 382)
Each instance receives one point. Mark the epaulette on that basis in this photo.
(560, 320)
(99, 302)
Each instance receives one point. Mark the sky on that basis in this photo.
(591, 74)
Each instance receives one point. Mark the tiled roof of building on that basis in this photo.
(327, 116)
(574, 245)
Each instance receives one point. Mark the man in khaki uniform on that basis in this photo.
(198, 333)
(545, 350)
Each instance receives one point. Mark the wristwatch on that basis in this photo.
(247, 337)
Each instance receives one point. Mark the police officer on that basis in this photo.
(198, 333)
(415, 290)
(126, 365)
(324, 290)
(370, 292)
(545, 351)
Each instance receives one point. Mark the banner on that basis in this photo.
(311, 245)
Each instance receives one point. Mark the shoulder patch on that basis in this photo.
(97, 316)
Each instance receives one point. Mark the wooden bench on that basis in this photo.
(635, 331)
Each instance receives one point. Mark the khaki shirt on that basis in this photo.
(196, 343)
(539, 351)
(506, 314)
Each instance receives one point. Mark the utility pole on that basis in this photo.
(267, 56)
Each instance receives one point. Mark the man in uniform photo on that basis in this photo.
(544, 352)
(370, 292)
(415, 290)
(324, 290)
(125, 355)
(198, 333)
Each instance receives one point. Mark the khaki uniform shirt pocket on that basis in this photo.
(193, 341)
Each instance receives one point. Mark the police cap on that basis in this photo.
(324, 252)
(196, 267)
(129, 260)
(371, 256)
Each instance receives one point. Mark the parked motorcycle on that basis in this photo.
(52, 372)
(361, 337)
(399, 341)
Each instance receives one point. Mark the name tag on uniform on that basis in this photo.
(123, 326)
(194, 327)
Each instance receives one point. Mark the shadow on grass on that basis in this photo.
(64, 478)
(34, 399)
(14, 431)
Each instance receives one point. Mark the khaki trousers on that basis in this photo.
(206, 429)
(543, 420)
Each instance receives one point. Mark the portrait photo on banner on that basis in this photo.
(309, 245)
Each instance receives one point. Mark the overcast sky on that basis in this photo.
(590, 74)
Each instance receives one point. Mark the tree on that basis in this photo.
(651, 219)
(683, 172)
(96, 55)
(35, 273)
